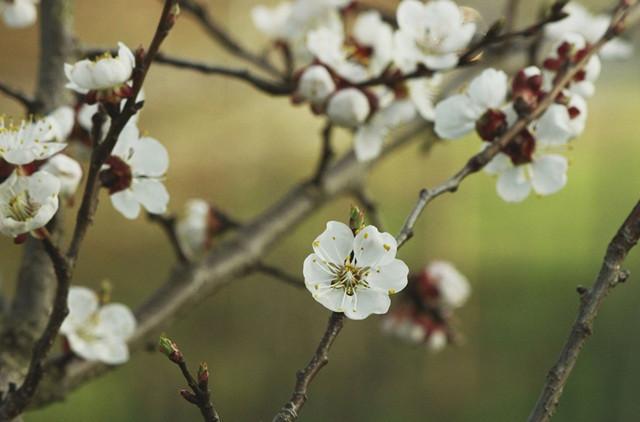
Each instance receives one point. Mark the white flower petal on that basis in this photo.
(126, 204)
(372, 248)
(455, 117)
(151, 194)
(513, 185)
(82, 303)
(549, 174)
(335, 243)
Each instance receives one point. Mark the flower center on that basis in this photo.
(20, 207)
(87, 331)
(118, 176)
(350, 278)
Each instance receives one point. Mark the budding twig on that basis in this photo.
(290, 411)
(591, 300)
(199, 395)
(370, 206)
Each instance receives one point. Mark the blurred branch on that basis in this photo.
(290, 411)
(269, 87)
(279, 274)
(327, 152)
(511, 14)
(220, 35)
(168, 225)
(29, 103)
(478, 161)
(199, 395)
(591, 300)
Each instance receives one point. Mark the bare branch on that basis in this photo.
(609, 276)
(29, 103)
(220, 35)
(264, 85)
(290, 411)
(279, 274)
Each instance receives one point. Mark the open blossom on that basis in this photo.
(29, 141)
(431, 34)
(134, 172)
(18, 13)
(97, 333)
(423, 92)
(354, 275)
(62, 121)
(106, 76)
(27, 203)
(426, 306)
(67, 170)
(591, 27)
(197, 226)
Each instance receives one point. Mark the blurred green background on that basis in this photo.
(242, 150)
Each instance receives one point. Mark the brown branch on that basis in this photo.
(326, 155)
(264, 85)
(16, 401)
(290, 411)
(220, 35)
(29, 103)
(199, 395)
(609, 276)
(229, 260)
(168, 225)
(478, 161)
(279, 274)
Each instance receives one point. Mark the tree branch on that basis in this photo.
(327, 153)
(220, 35)
(168, 225)
(290, 411)
(279, 274)
(29, 103)
(591, 300)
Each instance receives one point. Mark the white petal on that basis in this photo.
(410, 15)
(335, 243)
(390, 278)
(316, 273)
(116, 320)
(455, 117)
(372, 248)
(111, 351)
(366, 302)
(151, 194)
(81, 347)
(549, 174)
(82, 303)
(150, 158)
(489, 89)
(368, 141)
(499, 164)
(126, 204)
(513, 185)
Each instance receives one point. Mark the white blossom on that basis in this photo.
(61, 120)
(431, 34)
(422, 92)
(27, 203)
(456, 116)
(18, 13)
(134, 174)
(591, 27)
(354, 275)
(104, 73)
(273, 21)
(348, 107)
(67, 170)
(97, 333)
(29, 141)
(192, 229)
(453, 287)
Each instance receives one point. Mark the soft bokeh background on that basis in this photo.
(242, 150)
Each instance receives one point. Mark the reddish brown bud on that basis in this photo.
(491, 125)
(189, 396)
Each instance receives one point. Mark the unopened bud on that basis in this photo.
(356, 219)
(203, 374)
(189, 396)
(105, 292)
(173, 14)
(167, 347)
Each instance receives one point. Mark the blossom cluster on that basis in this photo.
(423, 315)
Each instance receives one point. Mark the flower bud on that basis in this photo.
(203, 374)
(348, 107)
(189, 396)
(167, 347)
(356, 219)
(316, 84)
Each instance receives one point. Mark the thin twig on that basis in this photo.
(29, 103)
(199, 395)
(326, 155)
(168, 225)
(290, 411)
(218, 33)
(264, 85)
(591, 300)
(279, 274)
